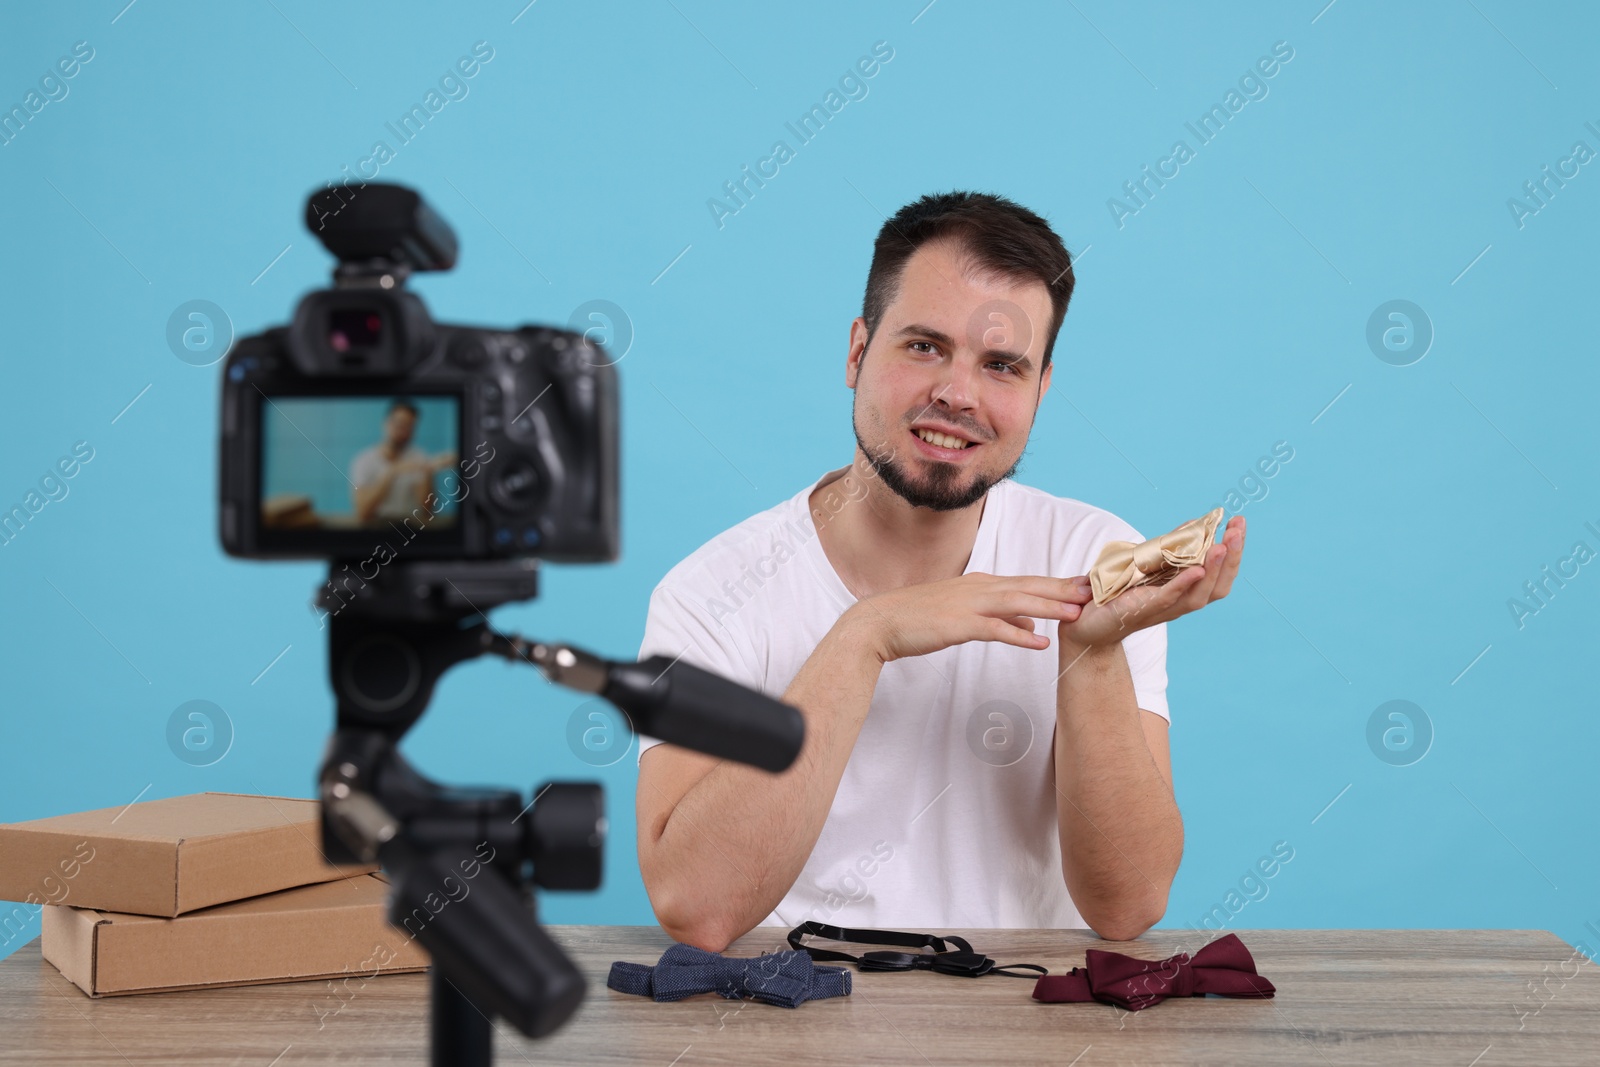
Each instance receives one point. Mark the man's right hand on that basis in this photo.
(919, 619)
(421, 467)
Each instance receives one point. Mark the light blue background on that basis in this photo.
(1226, 315)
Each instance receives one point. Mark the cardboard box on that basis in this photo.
(335, 929)
(166, 857)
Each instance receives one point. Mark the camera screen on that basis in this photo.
(333, 465)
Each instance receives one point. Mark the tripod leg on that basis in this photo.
(461, 1034)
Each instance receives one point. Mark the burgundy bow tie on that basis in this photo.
(1223, 967)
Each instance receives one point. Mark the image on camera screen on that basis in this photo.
(359, 462)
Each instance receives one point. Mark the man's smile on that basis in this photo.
(940, 442)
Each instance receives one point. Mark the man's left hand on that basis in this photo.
(1194, 587)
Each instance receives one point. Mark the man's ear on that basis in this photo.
(1044, 381)
(858, 349)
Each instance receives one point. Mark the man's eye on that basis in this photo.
(926, 344)
(1003, 365)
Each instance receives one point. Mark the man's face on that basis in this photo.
(398, 426)
(956, 354)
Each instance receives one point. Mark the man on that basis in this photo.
(955, 772)
(392, 479)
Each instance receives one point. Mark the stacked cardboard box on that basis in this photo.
(213, 889)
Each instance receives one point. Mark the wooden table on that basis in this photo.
(1460, 998)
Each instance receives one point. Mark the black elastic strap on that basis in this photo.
(960, 960)
(866, 937)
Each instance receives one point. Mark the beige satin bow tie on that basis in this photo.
(1123, 565)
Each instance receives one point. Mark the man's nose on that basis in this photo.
(957, 385)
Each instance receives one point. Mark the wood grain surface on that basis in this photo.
(1456, 998)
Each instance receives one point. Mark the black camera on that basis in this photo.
(449, 460)
(366, 431)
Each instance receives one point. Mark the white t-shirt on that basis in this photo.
(403, 495)
(946, 814)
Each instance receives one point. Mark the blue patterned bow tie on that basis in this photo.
(785, 978)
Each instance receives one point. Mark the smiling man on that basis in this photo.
(393, 479)
(985, 746)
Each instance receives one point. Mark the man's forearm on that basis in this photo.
(737, 840)
(1121, 832)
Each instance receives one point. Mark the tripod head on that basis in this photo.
(464, 861)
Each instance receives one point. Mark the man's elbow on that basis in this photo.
(1127, 924)
(707, 936)
(1120, 929)
(693, 924)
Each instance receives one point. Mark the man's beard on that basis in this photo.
(941, 490)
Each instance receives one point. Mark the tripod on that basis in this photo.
(464, 861)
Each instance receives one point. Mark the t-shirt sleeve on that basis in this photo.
(1146, 651)
(676, 630)
(366, 468)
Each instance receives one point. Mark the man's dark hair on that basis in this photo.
(1000, 235)
(402, 404)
